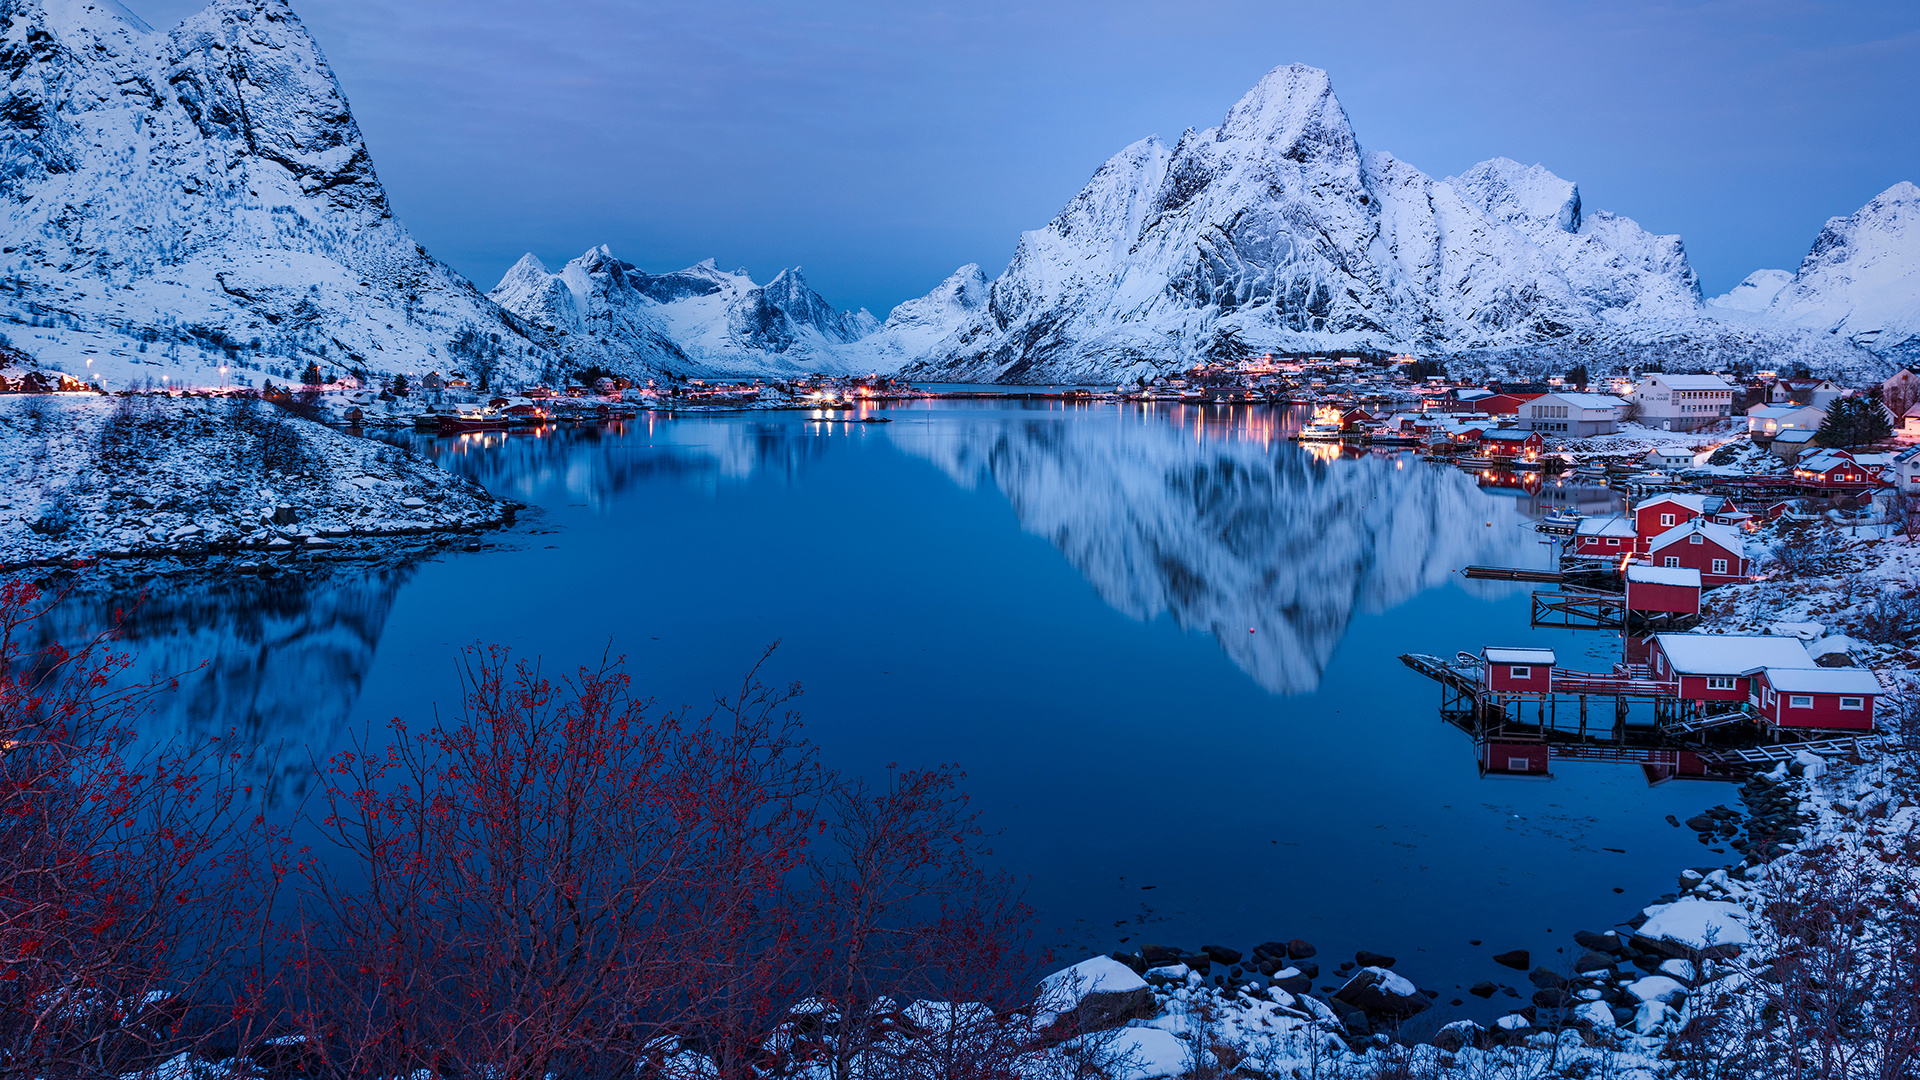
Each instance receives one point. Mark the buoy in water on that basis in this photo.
(1249, 629)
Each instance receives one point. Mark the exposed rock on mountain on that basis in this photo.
(598, 310)
(205, 195)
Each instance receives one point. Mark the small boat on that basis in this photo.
(471, 418)
(1561, 521)
(1324, 427)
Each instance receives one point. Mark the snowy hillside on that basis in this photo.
(1278, 225)
(600, 311)
(179, 202)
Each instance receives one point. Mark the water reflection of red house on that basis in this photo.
(1508, 480)
(1515, 759)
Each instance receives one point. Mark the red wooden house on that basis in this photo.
(1663, 588)
(1517, 671)
(1655, 515)
(1511, 443)
(1719, 552)
(1833, 469)
(1716, 667)
(1502, 404)
(1815, 697)
(1609, 536)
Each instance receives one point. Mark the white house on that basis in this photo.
(1670, 457)
(1910, 423)
(1574, 415)
(1683, 402)
(1766, 421)
(1905, 474)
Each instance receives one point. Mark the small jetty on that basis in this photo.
(1513, 573)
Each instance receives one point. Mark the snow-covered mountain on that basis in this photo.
(1754, 292)
(598, 310)
(1861, 280)
(1278, 225)
(204, 197)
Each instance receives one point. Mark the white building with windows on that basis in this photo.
(1766, 421)
(1574, 415)
(1683, 402)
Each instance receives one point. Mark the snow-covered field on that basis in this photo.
(90, 475)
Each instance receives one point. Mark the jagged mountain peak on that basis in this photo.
(1511, 192)
(1861, 279)
(1292, 110)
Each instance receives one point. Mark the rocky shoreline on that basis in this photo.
(94, 477)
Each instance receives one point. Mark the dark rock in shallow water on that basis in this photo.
(1294, 984)
(1269, 967)
(1608, 943)
(1594, 961)
(1308, 968)
(1549, 998)
(1518, 959)
(1221, 953)
(1547, 978)
(1157, 955)
(1372, 959)
(1300, 950)
(1377, 990)
(1482, 989)
(1673, 821)
(1199, 962)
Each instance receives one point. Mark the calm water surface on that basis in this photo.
(1162, 642)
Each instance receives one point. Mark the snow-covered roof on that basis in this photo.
(1826, 459)
(1498, 655)
(1649, 574)
(1694, 382)
(1731, 654)
(1590, 401)
(1820, 680)
(1612, 526)
(1507, 435)
(1726, 536)
(1778, 412)
(1699, 504)
(1795, 435)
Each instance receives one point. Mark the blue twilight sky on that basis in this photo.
(881, 144)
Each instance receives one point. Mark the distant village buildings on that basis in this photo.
(1682, 402)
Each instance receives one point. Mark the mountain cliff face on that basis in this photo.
(599, 310)
(206, 193)
(1278, 225)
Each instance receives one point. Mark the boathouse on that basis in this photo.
(1815, 697)
(1718, 667)
(1511, 442)
(1609, 536)
(1517, 671)
(1717, 551)
(1670, 589)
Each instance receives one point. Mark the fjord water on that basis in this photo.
(1161, 641)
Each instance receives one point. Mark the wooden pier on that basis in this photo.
(1513, 573)
(1593, 610)
(1525, 730)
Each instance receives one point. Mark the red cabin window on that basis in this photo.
(1613, 541)
(1719, 566)
(1719, 682)
(1799, 701)
(1520, 672)
(1852, 703)
(1666, 519)
(1673, 561)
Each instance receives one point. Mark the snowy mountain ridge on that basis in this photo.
(1277, 225)
(598, 310)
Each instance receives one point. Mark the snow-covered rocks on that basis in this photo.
(1693, 926)
(1381, 991)
(1092, 994)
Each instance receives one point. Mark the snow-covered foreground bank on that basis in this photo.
(90, 475)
